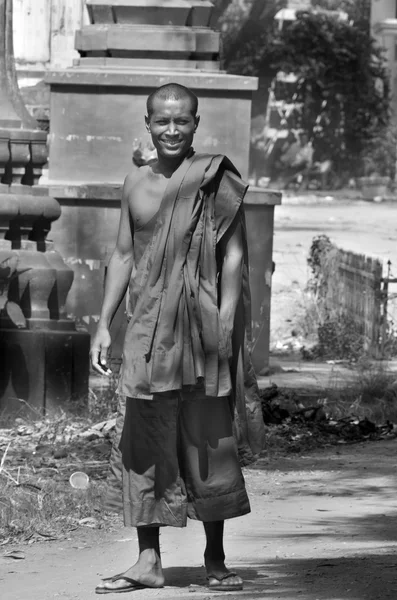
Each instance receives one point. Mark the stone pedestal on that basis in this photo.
(43, 358)
(259, 215)
(41, 370)
(130, 48)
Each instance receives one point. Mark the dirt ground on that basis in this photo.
(323, 526)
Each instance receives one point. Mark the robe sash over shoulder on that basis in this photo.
(174, 339)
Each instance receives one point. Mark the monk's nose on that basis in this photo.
(171, 129)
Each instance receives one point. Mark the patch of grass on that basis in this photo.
(101, 402)
(371, 395)
(36, 499)
(40, 508)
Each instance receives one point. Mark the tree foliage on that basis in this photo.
(246, 28)
(343, 83)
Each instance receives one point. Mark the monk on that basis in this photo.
(190, 408)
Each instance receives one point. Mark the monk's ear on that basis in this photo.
(196, 122)
(147, 123)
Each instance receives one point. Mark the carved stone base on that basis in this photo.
(41, 370)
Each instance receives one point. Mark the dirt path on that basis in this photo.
(323, 527)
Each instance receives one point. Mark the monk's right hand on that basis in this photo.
(99, 351)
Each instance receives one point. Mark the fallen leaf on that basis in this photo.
(17, 554)
(89, 522)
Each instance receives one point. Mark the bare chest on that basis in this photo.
(146, 198)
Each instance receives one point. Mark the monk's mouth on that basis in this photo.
(172, 144)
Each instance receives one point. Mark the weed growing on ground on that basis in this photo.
(101, 403)
(38, 455)
(46, 509)
(339, 338)
(372, 395)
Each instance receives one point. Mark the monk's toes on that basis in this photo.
(228, 582)
(117, 584)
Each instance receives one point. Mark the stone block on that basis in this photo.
(147, 46)
(207, 41)
(92, 38)
(150, 38)
(96, 115)
(140, 12)
(152, 12)
(98, 13)
(147, 39)
(200, 13)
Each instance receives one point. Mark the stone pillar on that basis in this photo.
(39, 345)
(130, 48)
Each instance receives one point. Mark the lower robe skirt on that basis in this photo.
(179, 460)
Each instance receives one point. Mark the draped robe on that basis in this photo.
(174, 338)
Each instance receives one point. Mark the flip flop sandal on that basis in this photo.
(131, 586)
(219, 584)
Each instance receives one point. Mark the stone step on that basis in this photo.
(108, 38)
(159, 12)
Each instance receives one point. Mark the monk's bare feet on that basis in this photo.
(147, 572)
(220, 578)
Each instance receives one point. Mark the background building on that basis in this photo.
(384, 29)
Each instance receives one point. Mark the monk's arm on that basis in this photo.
(117, 279)
(231, 274)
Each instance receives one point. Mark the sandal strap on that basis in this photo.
(120, 576)
(223, 577)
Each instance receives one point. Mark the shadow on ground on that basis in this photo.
(369, 577)
(337, 471)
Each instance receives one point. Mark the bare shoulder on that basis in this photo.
(133, 178)
(138, 178)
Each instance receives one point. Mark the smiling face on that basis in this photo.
(172, 126)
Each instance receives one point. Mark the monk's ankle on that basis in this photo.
(213, 565)
(211, 555)
(150, 556)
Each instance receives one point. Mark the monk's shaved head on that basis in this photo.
(172, 91)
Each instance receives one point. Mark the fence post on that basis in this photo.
(385, 293)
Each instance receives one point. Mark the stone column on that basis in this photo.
(39, 345)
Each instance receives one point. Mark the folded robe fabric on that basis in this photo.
(174, 337)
